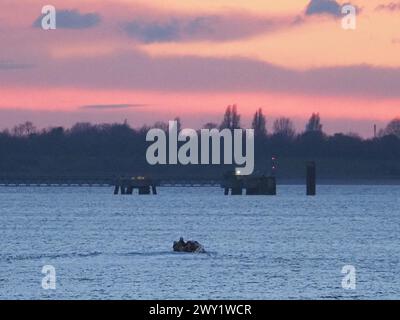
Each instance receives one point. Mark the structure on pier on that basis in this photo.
(234, 184)
(128, 185)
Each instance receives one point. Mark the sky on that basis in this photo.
(145, 61)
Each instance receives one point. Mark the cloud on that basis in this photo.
(134, 70)
(9, 65)
(329, 7)
(207, 27)
(154, 32)
(392, 6)
(111, 106)
(72, 19)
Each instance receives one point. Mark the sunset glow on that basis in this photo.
(193, 58)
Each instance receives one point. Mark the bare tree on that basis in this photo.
(231, 118)
(210, 125)
(80, 127)
(24, 129)
(314, 124)
(161, 125)
(259, 124)
(235, 118)
(226, 122)
(284, 127)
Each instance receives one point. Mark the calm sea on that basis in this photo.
(120, 247)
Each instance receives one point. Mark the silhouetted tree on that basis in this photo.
(284, 127)
(161, 125)
(6, 132)
(259, 124)
(24, 129)
(231, 118)
(227, 120)
(393, 128)
(56, 131)
(117, 149)
(235, 118)
(314, 124)
(210, 125)
(81, 127)
(178, 123)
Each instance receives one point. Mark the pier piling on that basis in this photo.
(129, 190)
(253, 185)
(128, 185)
(311, 178)
(144, 190)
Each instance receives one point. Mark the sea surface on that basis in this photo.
(258, 247)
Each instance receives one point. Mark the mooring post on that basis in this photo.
(272, 186)
(154, 189)
(311, 178)
(116, 189)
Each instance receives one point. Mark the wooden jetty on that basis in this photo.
(253, 185)
(102, 181)
(128, 185)
(55, 181)
(231, 182)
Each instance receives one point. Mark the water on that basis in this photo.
(259, 247)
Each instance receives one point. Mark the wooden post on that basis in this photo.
(237, 191)
(272, 186)
(154, 189)
(144, 190)
(252, 191)
(116, 189)
(311, 178)
(129, 190)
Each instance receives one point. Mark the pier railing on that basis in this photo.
(91, 181)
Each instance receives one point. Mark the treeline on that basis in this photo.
(117, 149)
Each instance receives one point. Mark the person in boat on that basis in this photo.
(189, 246)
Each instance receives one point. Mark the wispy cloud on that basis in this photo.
(73, 19)
(392, 6)
(206, 27)
(155, 32)
(111, 106)
(329, 7)
(137, 71)
(10, 65)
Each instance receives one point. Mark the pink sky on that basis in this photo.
(147, 61)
